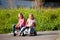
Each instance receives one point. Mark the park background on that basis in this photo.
(46, 13)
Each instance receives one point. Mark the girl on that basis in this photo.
(21, 23)
(31, 23)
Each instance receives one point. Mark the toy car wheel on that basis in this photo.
(35, 33)
(22, 34)
(14, 34)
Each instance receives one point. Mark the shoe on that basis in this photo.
(14, 34)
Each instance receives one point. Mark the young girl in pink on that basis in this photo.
(21, 23)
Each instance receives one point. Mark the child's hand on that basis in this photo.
(17, 26)
(26, 25)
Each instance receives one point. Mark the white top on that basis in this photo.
(30, 22)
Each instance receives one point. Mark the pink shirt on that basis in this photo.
(30, 22)
(22, 22)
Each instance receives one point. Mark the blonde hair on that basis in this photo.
(32, 15)
(20, 14)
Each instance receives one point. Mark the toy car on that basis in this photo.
(27, 32)
(17, 32)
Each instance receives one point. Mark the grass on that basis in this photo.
(46, 19)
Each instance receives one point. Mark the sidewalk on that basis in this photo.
(46, 35)
(58, 36)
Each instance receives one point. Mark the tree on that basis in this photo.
(10, 3)
(38, 3)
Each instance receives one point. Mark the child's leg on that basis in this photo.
(22, 30)
(13, 28)
(31, 30)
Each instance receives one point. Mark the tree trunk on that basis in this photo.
(38, 3)
(10, 3)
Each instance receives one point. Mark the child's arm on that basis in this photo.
(17, 25)
(26, 24)
(33, 24)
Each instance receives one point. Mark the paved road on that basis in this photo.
(51, 35)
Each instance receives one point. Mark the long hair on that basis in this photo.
(21, 15)
(32, 16)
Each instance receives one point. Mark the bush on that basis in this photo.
(45, 19)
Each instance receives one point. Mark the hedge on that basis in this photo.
(46, 19)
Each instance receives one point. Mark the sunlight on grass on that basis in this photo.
(46, 19)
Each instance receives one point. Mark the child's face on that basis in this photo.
(30, 16)
(18, 15)
(21, 16)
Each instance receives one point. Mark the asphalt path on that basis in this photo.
(50, 35)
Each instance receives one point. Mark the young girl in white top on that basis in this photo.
(31, 23)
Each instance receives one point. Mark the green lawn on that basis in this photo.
(46, 19)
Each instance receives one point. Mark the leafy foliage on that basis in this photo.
(46, 19)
